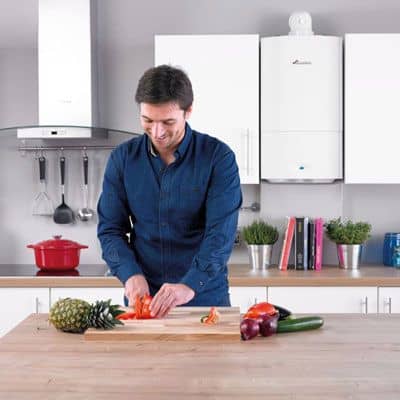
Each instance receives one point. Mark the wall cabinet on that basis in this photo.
(89, 294)
(389, 300)
(18, 303)
(244, 297)
(325, 299)
(224, 71)
(372, 96)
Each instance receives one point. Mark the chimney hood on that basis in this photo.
(68, 103)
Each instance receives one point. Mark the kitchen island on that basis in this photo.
(350, 357)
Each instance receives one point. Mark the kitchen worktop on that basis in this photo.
(239, 275)
(351, 356)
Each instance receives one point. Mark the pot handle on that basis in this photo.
(82, 246)
(30, 246)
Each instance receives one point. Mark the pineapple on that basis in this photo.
(75, 315)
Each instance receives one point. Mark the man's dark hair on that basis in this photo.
(163, 84)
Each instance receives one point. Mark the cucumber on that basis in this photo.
(283, 312)
(299, 324)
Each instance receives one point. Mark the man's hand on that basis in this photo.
(136, 285)
(169, 296)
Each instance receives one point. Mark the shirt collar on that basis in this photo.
(151, 148)
(183, 145)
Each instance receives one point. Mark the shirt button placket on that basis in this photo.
(163, 213)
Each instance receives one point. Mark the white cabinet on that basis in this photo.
(18, 303)
(389, 300)
(89, 294)
(244, 297)
(224, 71)
(325, 299)
(372, 98)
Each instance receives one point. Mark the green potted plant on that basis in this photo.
(260, 238)
(349, 238)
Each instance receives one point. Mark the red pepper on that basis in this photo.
(260, 309)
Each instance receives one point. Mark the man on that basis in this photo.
(177, 193)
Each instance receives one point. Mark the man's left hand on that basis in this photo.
(169, 296)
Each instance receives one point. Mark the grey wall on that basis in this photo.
(125, 30)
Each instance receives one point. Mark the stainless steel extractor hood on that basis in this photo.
(68, 103)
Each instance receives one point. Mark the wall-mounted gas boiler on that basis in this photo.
(301, 106)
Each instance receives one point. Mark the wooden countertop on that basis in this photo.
(371, 275)
(239, 275)
(351, 356)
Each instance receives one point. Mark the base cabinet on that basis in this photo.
(18, 303)
(329, 299)
(244, 297)
(389, 300)
(88, 294)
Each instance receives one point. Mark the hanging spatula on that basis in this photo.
(63, 214)
(42, 204)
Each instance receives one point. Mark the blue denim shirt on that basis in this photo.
(172, 223)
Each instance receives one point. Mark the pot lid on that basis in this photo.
(58, 244)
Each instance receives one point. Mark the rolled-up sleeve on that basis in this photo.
(114, 223)
(224, 199)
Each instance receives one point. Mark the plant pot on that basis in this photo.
(57, 254)
(260, 256)
(349, 255)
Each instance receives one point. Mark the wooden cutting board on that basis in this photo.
(182, 323)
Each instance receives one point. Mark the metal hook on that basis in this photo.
(84, 151)
(61, 150)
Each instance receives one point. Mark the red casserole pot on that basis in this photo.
(57, 254)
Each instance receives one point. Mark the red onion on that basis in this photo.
(249, 328)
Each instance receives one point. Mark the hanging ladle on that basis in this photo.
(85, 213)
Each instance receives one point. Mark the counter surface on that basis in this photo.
(239, 275)
(351, 356)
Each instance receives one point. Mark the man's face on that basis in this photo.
(164, 124)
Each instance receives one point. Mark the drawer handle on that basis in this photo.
(389, 304)
(37, 305)
(248, 151)
(365, 304)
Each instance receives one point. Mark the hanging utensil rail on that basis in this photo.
(65, 148)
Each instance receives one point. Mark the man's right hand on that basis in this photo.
(136, 285)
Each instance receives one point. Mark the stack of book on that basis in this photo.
(305, 236)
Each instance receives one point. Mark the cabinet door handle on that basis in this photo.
(389, 304)
(248, 151)
(37, 305)
(365, 304)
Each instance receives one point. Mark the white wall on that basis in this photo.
(125, 31)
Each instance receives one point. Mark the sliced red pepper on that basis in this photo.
(138, 307)
(142, 307)
(145, 312)
(127, 315)
(212, 317)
